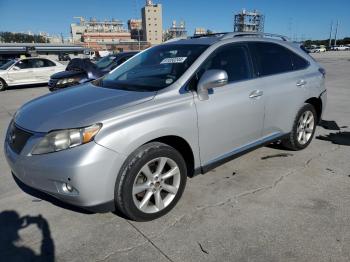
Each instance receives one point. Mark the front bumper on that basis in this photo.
(90, 169)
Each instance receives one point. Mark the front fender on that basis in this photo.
(150, 121)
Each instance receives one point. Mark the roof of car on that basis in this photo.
(209, 39)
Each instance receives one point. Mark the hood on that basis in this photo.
(80, 106)
(67, 74)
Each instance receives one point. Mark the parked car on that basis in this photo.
(81, 71)
(27, 71)
(319, 49)
(130, 139)
(340, 48)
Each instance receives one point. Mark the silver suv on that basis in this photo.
(130, 139)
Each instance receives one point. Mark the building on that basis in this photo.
(135, 29)
(152, 23)
(105, 35)
(175, 31)
(200, 31)
(246, 21)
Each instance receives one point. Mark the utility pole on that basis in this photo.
(330, 35)
(336, 33)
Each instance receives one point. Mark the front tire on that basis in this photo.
(304, 128)
(3, 85)
(150, 182)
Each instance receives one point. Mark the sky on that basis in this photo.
(298, 19)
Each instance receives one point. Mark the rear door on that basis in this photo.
(284, 79)
(43, 69)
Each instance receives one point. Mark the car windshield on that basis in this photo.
(105, 61)
(7, 65)
(153, 69)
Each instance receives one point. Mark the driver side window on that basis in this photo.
(232, 58)
(23, 64)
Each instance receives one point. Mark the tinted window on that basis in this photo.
(48, 63)
(233, 59)
(24, 64)
(37, 63)
(298, 62)
(272, 58)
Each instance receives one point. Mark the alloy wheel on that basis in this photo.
(306, 125)
(156, 185)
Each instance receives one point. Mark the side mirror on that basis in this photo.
(211, 78)
(16, 68)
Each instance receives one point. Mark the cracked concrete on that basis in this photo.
(273, 209)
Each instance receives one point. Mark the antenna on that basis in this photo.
(330, 35)
(336, 33)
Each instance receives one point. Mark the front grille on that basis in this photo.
(17, 138)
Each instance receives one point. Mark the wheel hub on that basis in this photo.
(156, 185)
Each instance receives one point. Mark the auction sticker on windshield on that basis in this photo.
(174, 60)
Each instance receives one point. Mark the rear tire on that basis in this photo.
(151, 182)
(304, 128)
(3, 85)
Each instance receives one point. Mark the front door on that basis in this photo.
(21, 73)
(233, 116)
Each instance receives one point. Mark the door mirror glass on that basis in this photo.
(211, 79)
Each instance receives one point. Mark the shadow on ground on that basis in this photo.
(339, 138)
(11, 249)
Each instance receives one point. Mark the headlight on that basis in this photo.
(64, 139)
(67, 81)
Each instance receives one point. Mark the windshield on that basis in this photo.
(7, 65)
(154, 69)
(105, 62)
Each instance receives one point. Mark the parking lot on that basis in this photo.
(269, 205)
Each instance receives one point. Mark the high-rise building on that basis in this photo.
(152, 23)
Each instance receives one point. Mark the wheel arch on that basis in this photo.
(181, 145)
(317, 104)
(2, 79)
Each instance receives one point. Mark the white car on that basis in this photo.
(28, 71)
(340, 48)
(319, 49)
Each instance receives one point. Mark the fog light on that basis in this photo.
(67, 188)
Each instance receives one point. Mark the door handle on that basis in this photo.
(256, 94)
(301, 83)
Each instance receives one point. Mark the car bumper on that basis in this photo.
(90, 169)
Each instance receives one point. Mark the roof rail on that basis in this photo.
(254, 34)
(227, 35)
(209, 35)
